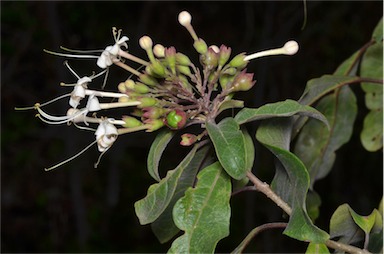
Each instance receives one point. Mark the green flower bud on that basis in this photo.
(129, 84)
(225, 53)
(200, 46)
(141, 88)
(238, 61)
(154, 124)
(148, 80)
(131, 122)
(182, 59)
(158, 69)
(176, 119)
(230, 71)
(225, 80)
(170, 57)
(183, 69)
(146, 102)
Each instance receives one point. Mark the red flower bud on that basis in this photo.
(188, 139)
(176, 119)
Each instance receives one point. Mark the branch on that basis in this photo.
(254, 232)
(265, 189)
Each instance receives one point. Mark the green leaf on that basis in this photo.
(317, 248)
(230, 147)
(313, 203)
(343, 226)
(230, 104)
(377, 34)
(249, 148)
(350, 66)
(291, 180)
(372, 64)
(278, 109)
(366, 223)
(164, 227)
(204, 212)
(160, 194)
(318, 87)
(316, 145)
(372, 133)
(156, 151)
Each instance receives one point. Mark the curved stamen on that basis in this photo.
(71, 158)
(69, 55)
(43, 104)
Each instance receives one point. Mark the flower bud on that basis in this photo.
(146, 102)
(176, 119)
(183, 70)
(182, 59)
(225, 80)
(238, 61)
(148, 80)
(154, 124)
(200, 46)
(141, 88)
(157, 68)
(225, 53)
(129, 84)
(211, 58)
(158, 50)
(145, 42)
(131, 122)
(121, 87)
(153, 112)
(170, 57)
(243, 82)
(188, 139)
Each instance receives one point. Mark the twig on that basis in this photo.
(264, 188)
(254, 232)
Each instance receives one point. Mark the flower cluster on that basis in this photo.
(169, 91)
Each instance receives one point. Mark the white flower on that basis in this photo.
(106, 135)
(110, 53)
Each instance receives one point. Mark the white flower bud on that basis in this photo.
(184, 18)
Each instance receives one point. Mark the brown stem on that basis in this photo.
(264, 188)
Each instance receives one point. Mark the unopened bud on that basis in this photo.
(131, 122)
(145, 42)
(170, 57)
(238, 61)
(157, 69)
(184, 70)
(154, 124)
(224, 54)
(184, 18)
(146, 102)
(200, 46)
(153, 112)
(141, 88)
(243, 82)
(158, 50)
(182, 59)
(148, 80)
(211, 58)
(188, 139)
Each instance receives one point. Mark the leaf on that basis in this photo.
(230, 104)
(278, 109)
(156, 151)
(318, 87)
(350, 66)
(204, 212)
(316, 145)
(164, 227)
(372, 64)
(313, 203)
(159, 195)
(372, 134)
(377, 34)
(343, 226)
(364, 222)
(291, 180)
(230, 147)
(317, 248)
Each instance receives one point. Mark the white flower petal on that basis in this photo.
(93, 104)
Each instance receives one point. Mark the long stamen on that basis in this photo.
(69, 55)
(289, 48)
(45, 103)
(71, 70)
(81, 51)
(71, 158)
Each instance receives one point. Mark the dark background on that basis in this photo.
(77, 208)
